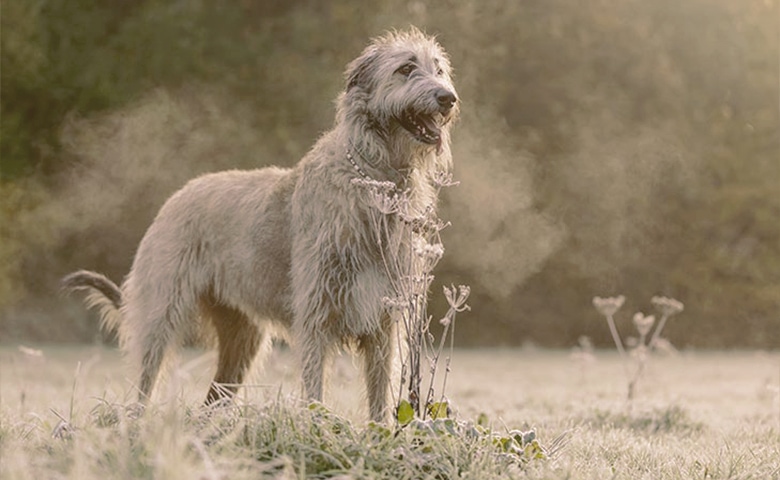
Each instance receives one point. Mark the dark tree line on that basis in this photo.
(614, 147)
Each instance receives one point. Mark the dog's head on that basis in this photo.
(402, 85)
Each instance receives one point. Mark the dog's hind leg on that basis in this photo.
(240, 340)
(154, 347)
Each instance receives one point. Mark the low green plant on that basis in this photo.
(283, 439)
(635, 360)
(435, 447)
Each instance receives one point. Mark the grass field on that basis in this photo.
(696, 415)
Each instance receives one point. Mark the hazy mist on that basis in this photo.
(627, 147)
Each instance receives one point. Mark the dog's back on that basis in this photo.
(225, 234)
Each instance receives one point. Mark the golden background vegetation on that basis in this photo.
(607, 147)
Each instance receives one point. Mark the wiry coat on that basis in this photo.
(291, 252)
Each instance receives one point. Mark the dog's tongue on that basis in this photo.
(434, 130)
(430, 124)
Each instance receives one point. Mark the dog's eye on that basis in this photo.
(406, 69)
(440, 72)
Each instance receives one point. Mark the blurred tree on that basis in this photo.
(627, 147)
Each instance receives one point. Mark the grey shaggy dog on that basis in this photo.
(290, 253)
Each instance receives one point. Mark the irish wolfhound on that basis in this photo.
(290, 253)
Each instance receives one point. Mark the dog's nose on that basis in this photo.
(445, 98)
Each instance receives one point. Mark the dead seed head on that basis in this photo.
(396, 304)
(667, 306)
(429, 253)
(608, 306)
(443, 179)
(457, 297)
(643, 323)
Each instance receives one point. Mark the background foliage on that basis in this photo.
(627, 147)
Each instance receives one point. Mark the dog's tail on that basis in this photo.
(103, 295)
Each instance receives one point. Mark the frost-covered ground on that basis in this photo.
(695, 415)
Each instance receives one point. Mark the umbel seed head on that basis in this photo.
(643, 323)
(608, 306)
(667, 306)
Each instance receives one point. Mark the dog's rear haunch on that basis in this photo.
(291, 253)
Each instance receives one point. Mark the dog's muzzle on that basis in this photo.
(425, 127)
(446, 100)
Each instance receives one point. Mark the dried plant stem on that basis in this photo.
(640, 369)
(415, 353)
(657, 332)
(410, 246)
(618, 342)
(434, 361)
(447, 333)
(643, 323)
(448, 360)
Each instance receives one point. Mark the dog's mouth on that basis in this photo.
(423, 127)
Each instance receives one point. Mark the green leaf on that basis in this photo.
(504, 443)
(451, 427)
(318, 407)
(534, 451)
(483, 420)
(405, 413)
(379, 430)
(523, 438)
(438, 410)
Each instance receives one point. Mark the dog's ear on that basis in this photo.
(357, 74)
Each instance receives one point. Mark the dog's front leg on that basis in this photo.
(313, 353)
(377, 357)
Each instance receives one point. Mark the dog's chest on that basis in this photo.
(362, 241)
(360, 269)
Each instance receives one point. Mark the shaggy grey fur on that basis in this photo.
(290, 253)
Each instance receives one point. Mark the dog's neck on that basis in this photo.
(367, 168)
(388, 157)
(385, 155)
(414, 182)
